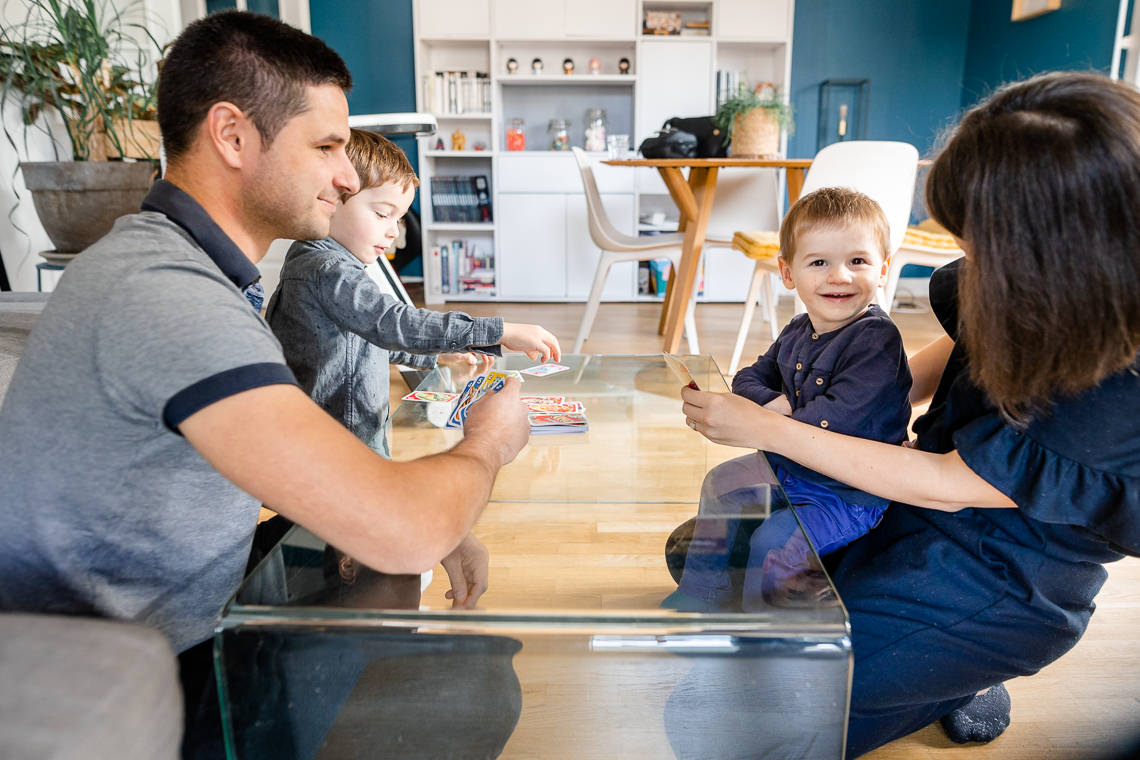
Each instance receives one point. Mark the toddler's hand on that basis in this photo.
(466, 360)
(534, 341)
(780, 405)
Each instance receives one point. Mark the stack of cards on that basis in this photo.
(555, 414)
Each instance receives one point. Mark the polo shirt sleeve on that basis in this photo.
(868, 391)
(356, 303)
(176, 338)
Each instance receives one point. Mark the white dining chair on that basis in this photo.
(926, 244)
(883, 170)
(617, 247)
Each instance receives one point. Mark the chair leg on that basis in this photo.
(770, 301)
(595, 298)
(691, 327)
(758, 276)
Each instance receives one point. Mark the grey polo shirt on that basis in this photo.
(105, 509)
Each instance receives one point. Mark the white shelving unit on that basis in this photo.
(539, 238)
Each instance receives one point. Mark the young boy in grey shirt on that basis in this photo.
(339, 330)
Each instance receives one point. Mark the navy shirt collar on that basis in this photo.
(166, 198)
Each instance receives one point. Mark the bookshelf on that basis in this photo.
(537, 247)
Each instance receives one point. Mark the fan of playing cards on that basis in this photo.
(546, 413)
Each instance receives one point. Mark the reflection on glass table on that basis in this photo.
(571, 654)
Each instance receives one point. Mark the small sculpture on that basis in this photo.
(458, 140)
(595, 66)
(512, 66)
(623, 66)
(536, 66)
(567, 65)
(439, 143)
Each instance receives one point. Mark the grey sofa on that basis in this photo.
(73, 687)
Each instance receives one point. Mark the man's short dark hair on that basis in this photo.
(259, 64)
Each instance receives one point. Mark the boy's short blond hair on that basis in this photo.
(378, 161)
(831, 207)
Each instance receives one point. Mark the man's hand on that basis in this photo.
(497, 423)
(534, 341)
(467, 569)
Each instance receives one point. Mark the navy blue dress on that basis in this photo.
(944, 604)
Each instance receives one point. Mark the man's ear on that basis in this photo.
(231, 133)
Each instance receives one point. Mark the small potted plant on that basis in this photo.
(85, 61)
(753, 120)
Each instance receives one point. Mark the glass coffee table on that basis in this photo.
(570, 654)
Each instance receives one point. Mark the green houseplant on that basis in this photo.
(86, 61)
(753, 120)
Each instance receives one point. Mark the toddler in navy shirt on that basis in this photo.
(840, 366)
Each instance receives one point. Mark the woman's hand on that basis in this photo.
(727, 418)
(532, 340)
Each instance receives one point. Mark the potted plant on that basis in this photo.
(753, 120)
(87, 62)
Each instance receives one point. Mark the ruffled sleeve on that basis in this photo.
(1077, 465)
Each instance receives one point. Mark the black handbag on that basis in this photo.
(710, 139)
(669, 143)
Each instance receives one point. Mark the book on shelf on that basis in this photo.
(462, 267)
(457, 92)
(461, 199)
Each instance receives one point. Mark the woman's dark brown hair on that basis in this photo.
(1042, 182)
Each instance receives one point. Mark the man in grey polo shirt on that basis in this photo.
(152, 411)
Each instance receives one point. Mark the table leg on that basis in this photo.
(682, 194)
(703, 182)
(795, 179)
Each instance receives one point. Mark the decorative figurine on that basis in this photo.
(536, 66)
(512, 66)
(623, 66)
(458, 140)
(567, 65)
(439, 143)
(595, 66)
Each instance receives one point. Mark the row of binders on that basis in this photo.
(461, 267)
(461, 199)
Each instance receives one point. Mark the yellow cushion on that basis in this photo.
(757, 244)
(927, 235)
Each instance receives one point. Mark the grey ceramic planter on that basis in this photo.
(78, 201)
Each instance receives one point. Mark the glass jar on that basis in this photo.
(559, 130)
(595, 129)
(516, 135)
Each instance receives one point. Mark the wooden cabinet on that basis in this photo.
(753, 20)
(539, 235)
(453, 18)
(546, 252)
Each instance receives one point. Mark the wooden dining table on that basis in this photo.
(694, 199)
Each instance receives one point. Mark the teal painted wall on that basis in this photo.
(1079, 35)
(913, 53)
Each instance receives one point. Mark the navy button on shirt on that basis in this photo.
(854, 380)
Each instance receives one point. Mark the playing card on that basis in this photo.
(542, 399)
(544, 369)
(567, 407)
(429, 396)
(682, 372)
(558, 423)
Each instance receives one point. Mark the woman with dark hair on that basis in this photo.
(1024, 479)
